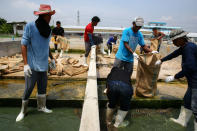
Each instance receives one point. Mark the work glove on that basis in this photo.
(169, 78)
(158, 62)
(135, 56)
(27, 70)
(154, 52)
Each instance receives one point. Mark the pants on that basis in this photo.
(119, 91)
(127, 66)
(55, 45)
(40, 78)
(190, 98)
(87, 48)
(109, 47)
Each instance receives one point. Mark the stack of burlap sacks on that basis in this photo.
(68, 66)
(11, 64)
(147, 73)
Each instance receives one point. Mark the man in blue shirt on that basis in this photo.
(35, 52)
(188, 51)
(112, 40)
(131, 37)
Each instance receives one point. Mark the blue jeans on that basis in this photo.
(119, 91)
(36, 77)
(190, 98)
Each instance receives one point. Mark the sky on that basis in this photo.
(113, 13)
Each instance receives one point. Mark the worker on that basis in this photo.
(88, 37)
(188, 50)
(58, 30)
(158, 35)
(112, 40)
(131, 37)
(119, 91)
(35, 52)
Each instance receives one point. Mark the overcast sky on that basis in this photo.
(113, 13)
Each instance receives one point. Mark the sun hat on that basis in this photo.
(44, 9)
(175, 34)
(139, 21)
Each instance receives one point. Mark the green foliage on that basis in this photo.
(4, 27)
(52, 27)
(2, 21)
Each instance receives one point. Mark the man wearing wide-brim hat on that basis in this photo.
(188, 51)
(35, 52)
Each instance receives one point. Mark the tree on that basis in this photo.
(4, 27)
(2, 21)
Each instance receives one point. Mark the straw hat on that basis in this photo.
(175, 34)
(44, 9)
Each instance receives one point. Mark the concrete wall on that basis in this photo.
(10, 48)
(90, 112)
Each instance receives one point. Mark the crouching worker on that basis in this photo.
(35, 51)
(188, 51)
(119, 91)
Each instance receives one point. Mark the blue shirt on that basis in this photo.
(189, 59)
(133, 40)
(111, 40)
(37, 48)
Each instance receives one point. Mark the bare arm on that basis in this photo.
(126, 44)
(160, 37)
(146, 49)
(24, 53)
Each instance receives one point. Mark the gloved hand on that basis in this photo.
(169, 78)
(27, 70)
(158, 62)
(154, 52)
(135, 56)
(53, 66)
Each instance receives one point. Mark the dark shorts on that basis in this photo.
(119, 93)
(87, 48)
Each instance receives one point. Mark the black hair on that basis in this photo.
(95, 19)
(58, 22)
(155, 28)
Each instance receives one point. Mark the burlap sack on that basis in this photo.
(114, 48)
(147, 74)
(74, 70)
(154, 44)
(64, 43)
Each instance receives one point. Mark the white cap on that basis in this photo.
(139, 21)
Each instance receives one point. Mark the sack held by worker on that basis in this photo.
(147, 73)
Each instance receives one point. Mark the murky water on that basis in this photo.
(62, 119)
(68, 118)
(150, 120)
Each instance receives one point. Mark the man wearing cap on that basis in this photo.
(112, 40)
(131, 37)
(188, 51)
(35, 52)
(88, 37)
(58, 30)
